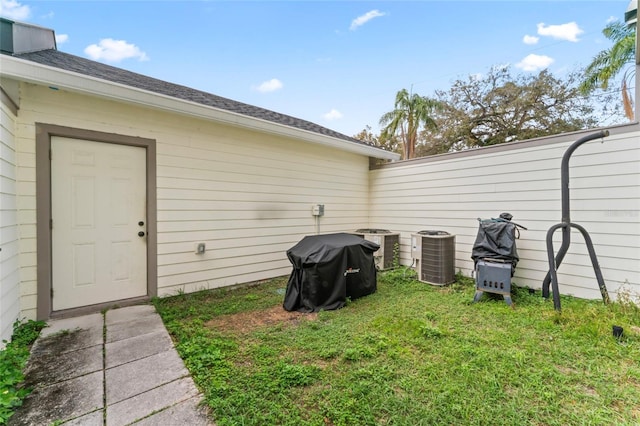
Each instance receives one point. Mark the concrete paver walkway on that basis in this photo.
(109, 370)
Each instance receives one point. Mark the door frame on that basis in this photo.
(44, 132)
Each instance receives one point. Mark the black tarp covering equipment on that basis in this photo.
(495, 256)
(327, 269)
(496, 240)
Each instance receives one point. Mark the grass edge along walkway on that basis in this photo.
(13, 359)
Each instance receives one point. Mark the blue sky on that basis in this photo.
(336, 63)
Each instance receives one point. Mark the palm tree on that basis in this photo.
(608, 63)
(409, 113)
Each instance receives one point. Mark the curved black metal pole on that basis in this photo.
(552, 274)
(562, 251)
(566, 225)
(594, 261)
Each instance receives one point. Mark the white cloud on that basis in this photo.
(363, 19)
(569, 31)
(527, 39)
(534, 62)
(13, 10)
(111, 50)
(62, 38)
(611, 19)
(270, 86)
(334, 114)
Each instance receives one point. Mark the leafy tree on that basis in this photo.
(411, 111)
(608, 63)
(499, 107)
(392, 144)
(367, 136)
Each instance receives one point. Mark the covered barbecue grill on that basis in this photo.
(327, 269)
(495, 256)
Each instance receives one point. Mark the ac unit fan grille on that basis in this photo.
(391, 245)
(388, 254)
(438, 260)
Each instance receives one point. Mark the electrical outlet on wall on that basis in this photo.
(200, 248)
(318, 210)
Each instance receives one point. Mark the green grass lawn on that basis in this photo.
(410, 354)
(13, 359)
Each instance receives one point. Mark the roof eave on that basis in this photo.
(33, 72)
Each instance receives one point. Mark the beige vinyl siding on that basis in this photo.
(247, 196)
(450, 192)
(9, 239)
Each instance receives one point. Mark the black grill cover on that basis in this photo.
(327, 269)
(496, 239)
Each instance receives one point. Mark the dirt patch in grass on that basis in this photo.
(566, 370)
(244, 322)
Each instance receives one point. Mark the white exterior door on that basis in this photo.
(98, 209)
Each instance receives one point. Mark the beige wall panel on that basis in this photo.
(235, 279)
(27, 301)
(247, 195)
(27, 245)
(249, 152)
(9, 236)
(227, 252)
(186, 248)
(214, 262)
(226, 274)
(8, 186)
(28, 259)
(260, 193)
(450, 193)
(7, 157)
(277, 187)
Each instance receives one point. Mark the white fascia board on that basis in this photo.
(32, 72)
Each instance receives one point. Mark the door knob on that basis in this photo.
(141, 234)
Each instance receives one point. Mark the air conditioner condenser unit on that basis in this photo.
(433, 254)
(388, 254)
